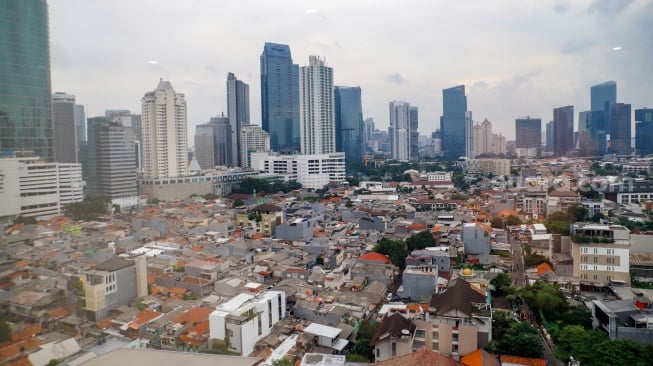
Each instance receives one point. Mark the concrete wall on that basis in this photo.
(476, 240)
(173, 192)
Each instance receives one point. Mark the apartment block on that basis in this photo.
(601, 253)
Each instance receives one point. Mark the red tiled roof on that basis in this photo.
(523, 361)
(544, 268)
(374, 257)
(193, 316)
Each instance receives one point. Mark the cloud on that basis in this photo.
(562, 7)
(396, 78)
(608, 7)
(577, 45)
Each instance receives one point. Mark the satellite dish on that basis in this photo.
(405, 332)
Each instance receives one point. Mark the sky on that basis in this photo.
(515, 58)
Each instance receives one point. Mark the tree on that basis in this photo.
(420, 241)
(366, 331)
(501, 283)
(284, 361)
(25, 220)
(496, 222)
(5, 331)
(545, 298)
(88, 209)
(577, 213)
(558, 223)
(237, 203)
(395, 249)
(513, 220)
(511, 337)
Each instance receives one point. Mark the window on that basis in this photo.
(394, 349)
(420, 333)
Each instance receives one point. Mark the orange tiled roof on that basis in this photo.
(543, 268)
(28, 332)
(12, 349)
(143, 317)
(22, 361)
(196, 334)
(374, 256)
(178, 291)
(193, 316)
(523, 361)
(480, 357)
(21, 263)
(59, 313)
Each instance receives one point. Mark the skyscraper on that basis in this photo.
(549, 136)
(65, 131)
(238, 112)
(25, 94)
(111, 160)
(399, 130)
(483, 138)
(349, 125)
(316, 123)
(222, 140)
(205, 146)
(644, 130)
(602, 96)
(368, 131)
(620, 129)
(164, 136)
(280, 97)
(80, 125)
(529, 136)
(413, 134)
(455, 124)
(252, 139)
(563, 130)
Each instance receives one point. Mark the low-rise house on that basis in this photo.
(320, 335)
(393, 338)
(111, 284)
(35, 305)
(476, 238)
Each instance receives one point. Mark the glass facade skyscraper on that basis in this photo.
(238, 112)
(620, 129)
(349, 123)
(528, 133)
(563, 130)
(25, 91)
(454, 123)
(280, 97)
(644, 130)
(602, 96)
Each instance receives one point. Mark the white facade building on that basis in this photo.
(601, 253)
(399, 130)
(247, 318)
(312, 171)
(252, 139)
(33, 188)
(317, 122)
(164, 134)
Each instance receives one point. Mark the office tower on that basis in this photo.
(584, 121)
(25, 94)
(222, 140)
(252, 139)
(205, 146)
(111, 160)
(280, 97)
(368, 131)
(238, 112)
(620, 129)
(644, 130)
(398, 131)
(563, 130)
(455, 124)
(316, 123)
(528, 137)
(549, 136)
(164, 137)
(603, 96)
(413, 134)
(125, 118)
(80, 125)
(65, 131)
(349, 125)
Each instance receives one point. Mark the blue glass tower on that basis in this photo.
(453, 123)
(602, 96)
(349, 122)
(280, 97)
(644, 131)
(620, 129)
(25, 92)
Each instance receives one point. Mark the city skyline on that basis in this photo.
(523, 76)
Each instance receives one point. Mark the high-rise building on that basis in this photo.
(602, 96)
(349, 125)
(368, 131)
(483, 138)
(65, 131)
(222, 140)
(205, 146)
(316, 123)
(126, 119)
(620, 129)
(563, 130)
(25, 94)
(111, 161)
(280, 97)
(80, 125)
(528, 136)
(238, 112)
(456, 124)
(164, 136)
(311, 170)
(413, 134)
(252, 139)
(499, 143)
(399, 130)
(644, 130)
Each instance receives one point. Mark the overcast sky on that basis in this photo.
(516, 58)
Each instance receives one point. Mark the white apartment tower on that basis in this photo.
(316, 108)
(399, 130)
(252, 139)
(483, 138)
(163, 126)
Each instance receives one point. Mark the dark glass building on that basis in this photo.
(25, 92)
(620, 129)
(644, 131)
(280, 97)
(413, 134)
(349, 124)
(602, 96)
(563, 130)
(453, 124)
(238, 112)
(528, 133)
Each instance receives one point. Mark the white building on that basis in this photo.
(317, 122)
(601, 253)
(247, 318)
(438, 176)
(252, 139)
(33, 188)
(312, 171)
(164, 135)
(399, 130)
(483, 138)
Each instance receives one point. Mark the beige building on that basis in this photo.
(498, 167)
(601, 253)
